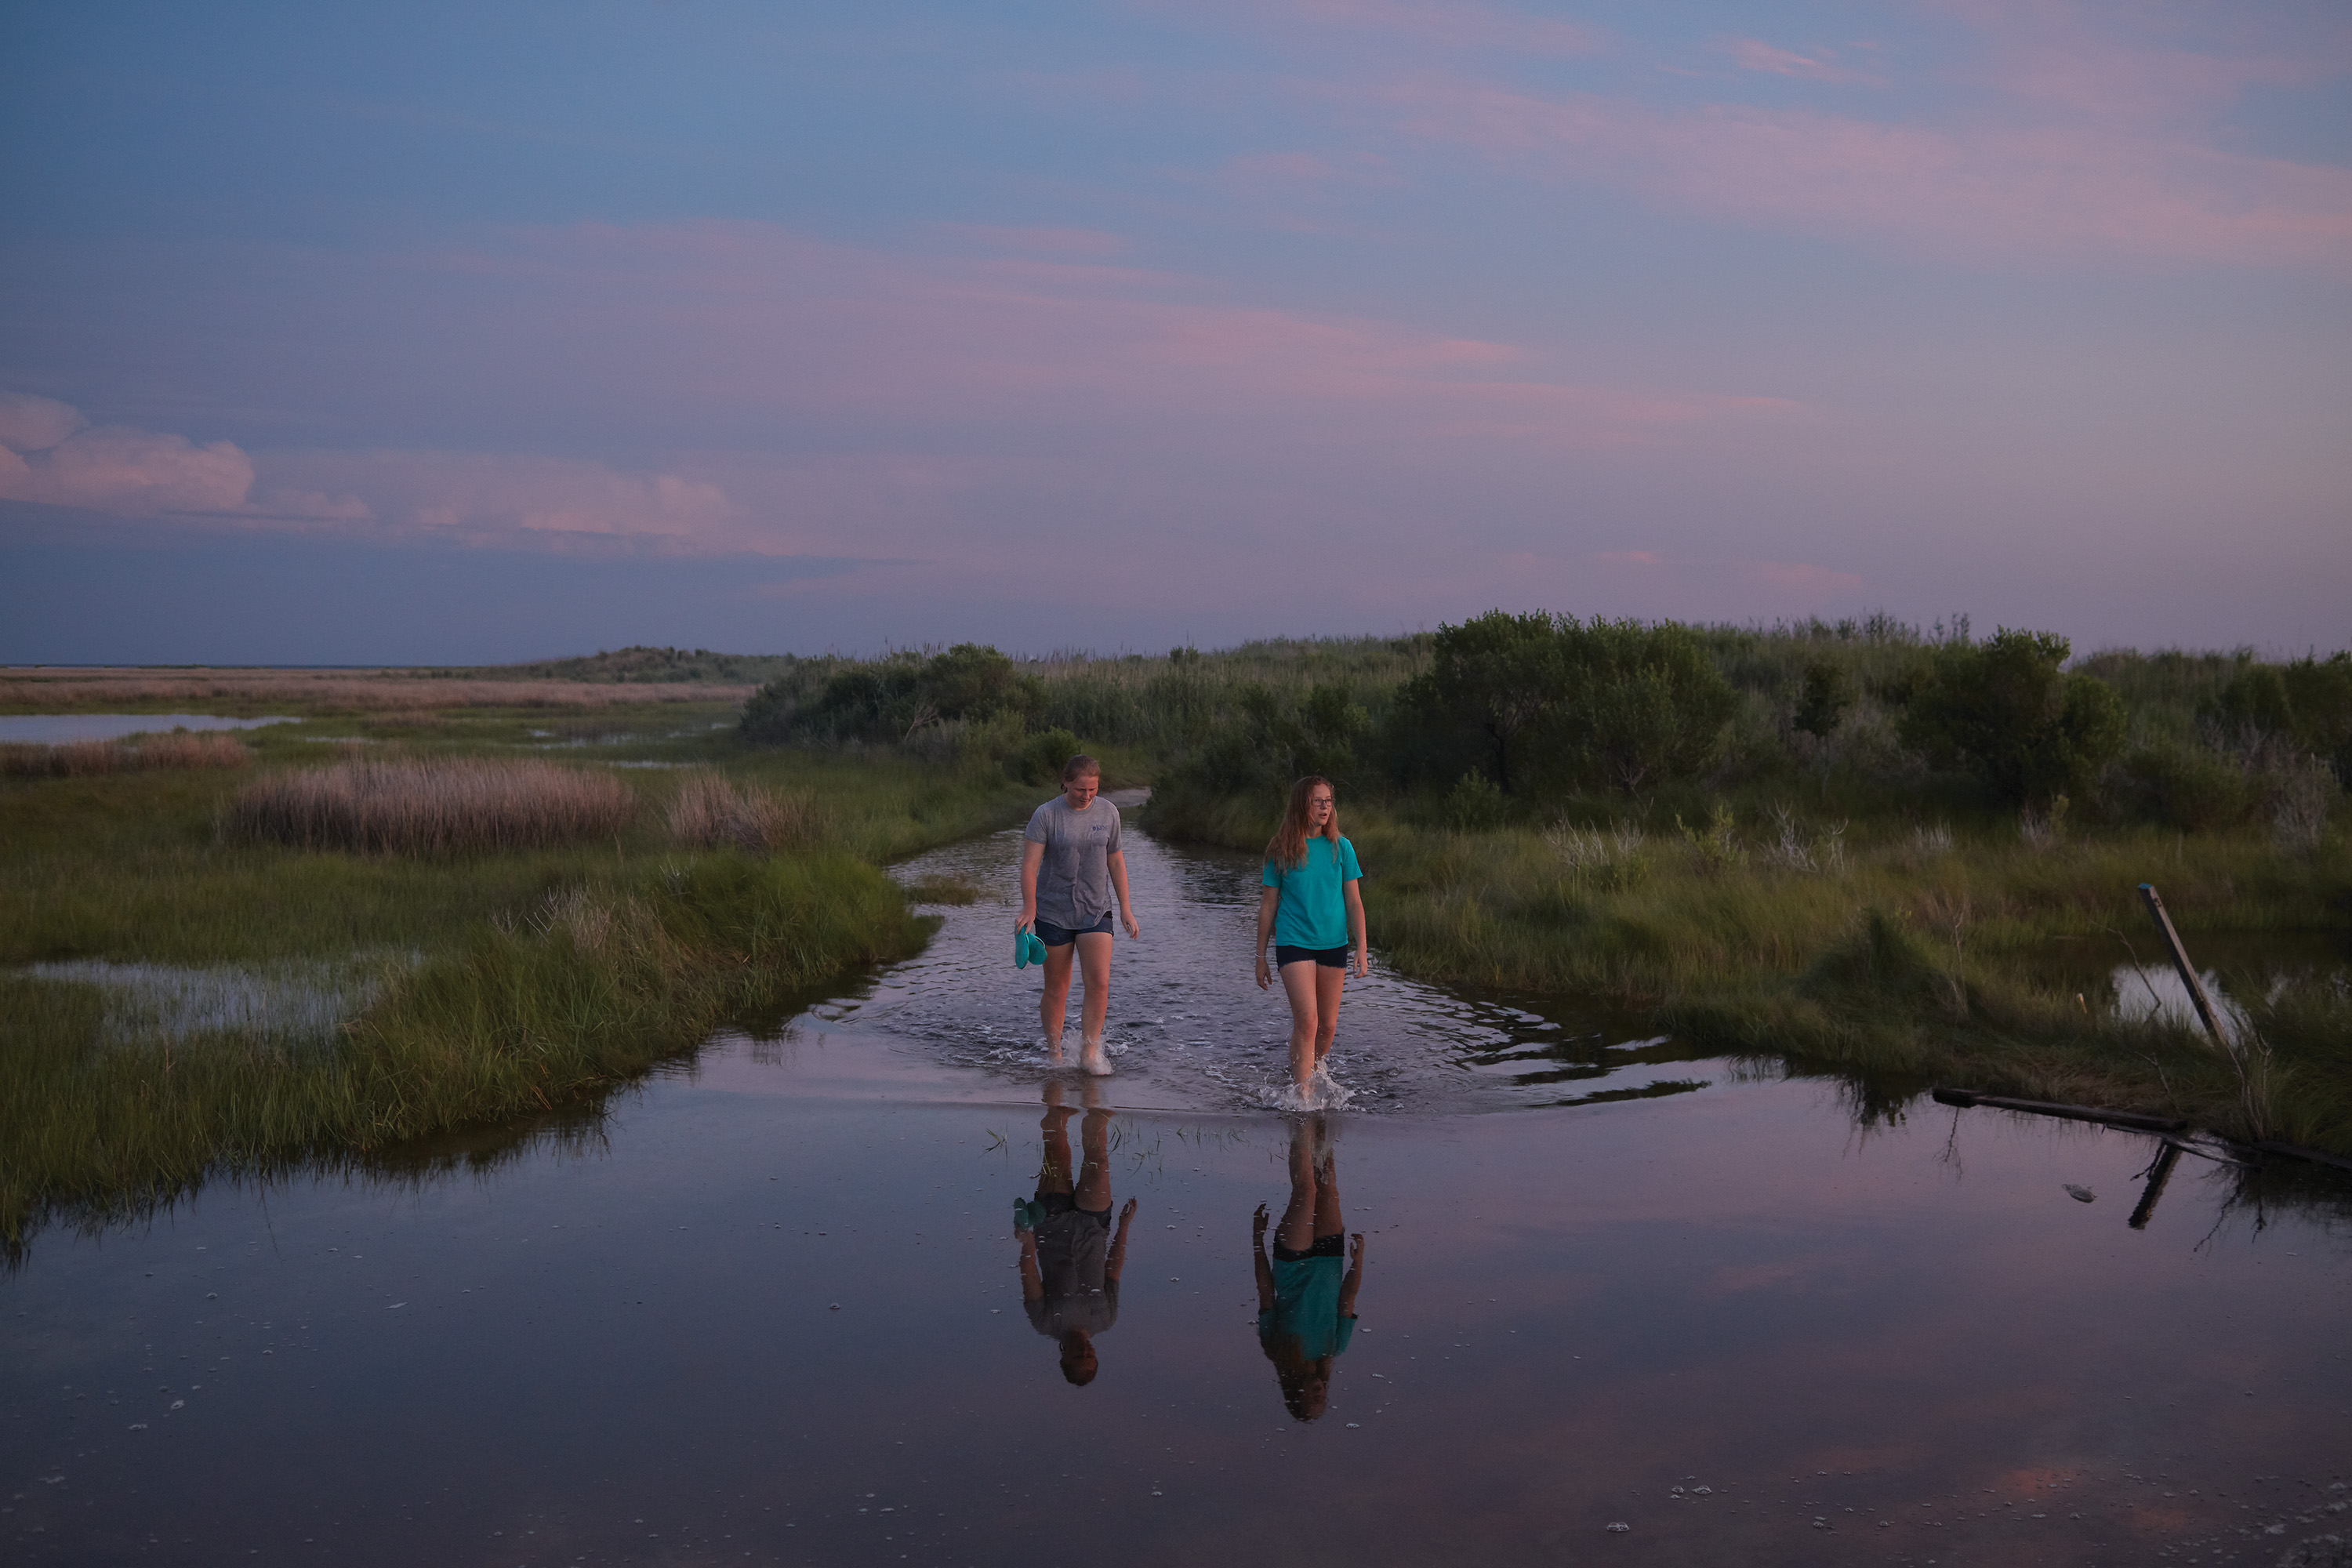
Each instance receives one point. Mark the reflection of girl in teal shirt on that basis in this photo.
(1306, 1296)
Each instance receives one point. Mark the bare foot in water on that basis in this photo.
(1093, 1058)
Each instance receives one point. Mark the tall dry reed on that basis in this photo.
(81, 759)
(708, 813)
(457, 805)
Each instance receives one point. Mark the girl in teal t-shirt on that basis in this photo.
(1312, 911)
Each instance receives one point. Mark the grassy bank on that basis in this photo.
(194, 978)
(1901, 852)
(1976, 957)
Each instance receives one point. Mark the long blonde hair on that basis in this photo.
(1287, 847)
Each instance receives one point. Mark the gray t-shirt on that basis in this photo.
(1074, 877)
(1078, 1293)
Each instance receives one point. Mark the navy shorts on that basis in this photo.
(1053, 935)
(1286, 955)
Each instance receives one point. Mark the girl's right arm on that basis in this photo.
(1257, 1256)
(1033, 855)
(1268, 901)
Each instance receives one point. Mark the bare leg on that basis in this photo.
(1299, 983)
(1094, 965)
(1094, 1176)
(1297, 1233)
(1053, 1007)
(1328, 1220)
(1053, 1175)
(1328, 984)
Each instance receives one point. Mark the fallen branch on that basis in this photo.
(2136, 1120)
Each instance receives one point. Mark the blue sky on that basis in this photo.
(343, 335)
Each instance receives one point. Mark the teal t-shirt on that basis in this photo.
(1313, 912)
(1307, 1304)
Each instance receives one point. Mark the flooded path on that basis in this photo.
(771, 1309)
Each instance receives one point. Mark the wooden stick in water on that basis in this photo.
(2180, 962)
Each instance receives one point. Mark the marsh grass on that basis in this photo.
(84, 759)
(253, 691)
(153, 1027)
(709, 812)
(397, 805)
(1917, 956)
(595, 980)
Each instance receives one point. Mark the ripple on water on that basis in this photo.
(1189, 1028)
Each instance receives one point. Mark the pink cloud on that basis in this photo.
(2142, 66)
(1630, 558)
(29, 423)
(1989, 191)
(1044, 240)
(523, 499)
(745, 315)
(114, 468)
(50, 454)
(1752, 54)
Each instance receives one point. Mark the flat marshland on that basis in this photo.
(444, 899)
(434, 918)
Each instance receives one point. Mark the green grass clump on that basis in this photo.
(589, 985)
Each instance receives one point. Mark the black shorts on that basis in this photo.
(1053, 935)
(1332, 1245)
(1286, 955)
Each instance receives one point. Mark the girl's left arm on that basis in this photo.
(1355, 1276)
(1117, 863)
(1355, 937)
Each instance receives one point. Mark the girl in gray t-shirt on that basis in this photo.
(1071, 872)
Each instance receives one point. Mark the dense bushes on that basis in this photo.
(1540, 703)
(2004, 712)
(888, 699)
(2304, 707)
(1522, 718)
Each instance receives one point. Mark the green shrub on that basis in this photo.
(1473, 805)
(1829, 692)
(2005, 712)
(2183, 785)
(890, 699)
(1549, 703)
(1041, 757)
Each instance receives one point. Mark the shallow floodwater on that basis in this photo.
(56, 729)
(767, 1308)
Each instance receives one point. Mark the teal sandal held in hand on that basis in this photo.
(1026, 948)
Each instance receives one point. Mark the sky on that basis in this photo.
(341, 334)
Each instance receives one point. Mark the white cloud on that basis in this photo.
(50, 454)
(115, 468)
(520, 498)
(29, 423)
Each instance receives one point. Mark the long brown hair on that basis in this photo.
(1287, 847)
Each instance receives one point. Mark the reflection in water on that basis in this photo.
(1306, 1306)
(1070, 1261)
